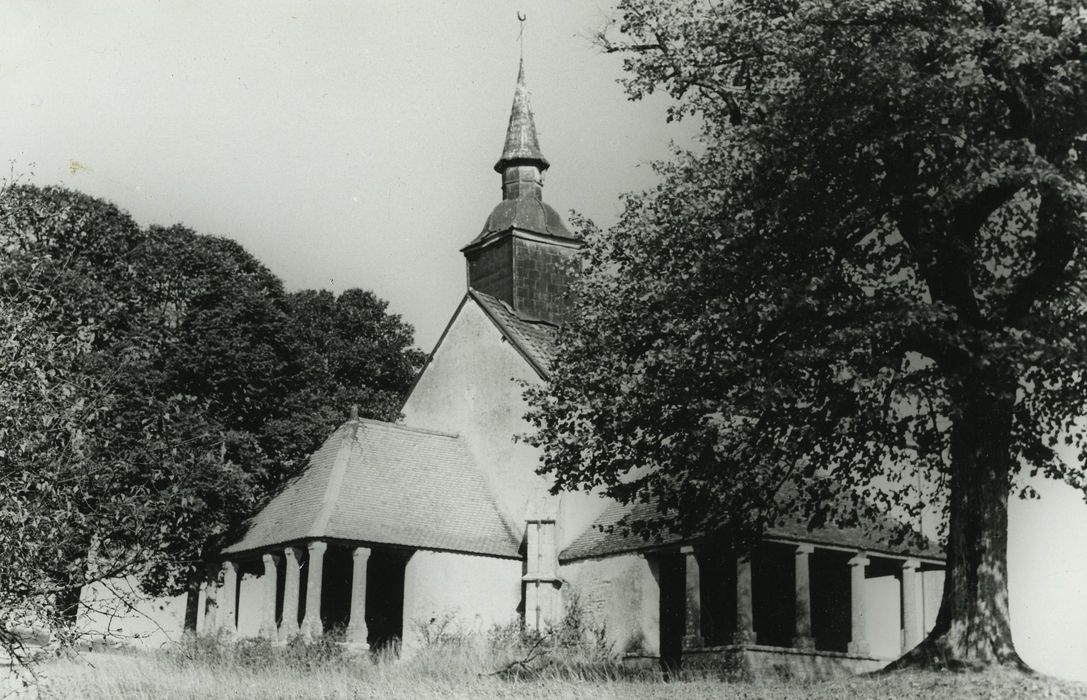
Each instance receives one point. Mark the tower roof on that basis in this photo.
(522, 145)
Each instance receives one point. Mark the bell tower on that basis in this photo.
(524, 254)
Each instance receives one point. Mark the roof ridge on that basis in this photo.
(514, 312)
(402, 426)
(334, 483)
(508, 330)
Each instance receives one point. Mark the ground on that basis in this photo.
(170, 677)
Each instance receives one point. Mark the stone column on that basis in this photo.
(913, 626)
(858, 638)
(228, 604)
(268, 627)
(288, 625)
(211, 606)
(745, 611)
(692, 639)
(357, 632)
(803, 638)
(311, 623)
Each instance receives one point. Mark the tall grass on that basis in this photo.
(571, 661)
(430, 676)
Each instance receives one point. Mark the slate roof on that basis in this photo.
(521, 143)
(535, 340)
(596, 541)
(525, 214)
(382, 483)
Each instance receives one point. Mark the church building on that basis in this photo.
(442, 516)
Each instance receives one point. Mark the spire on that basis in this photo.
(522, 257)
(522, 147)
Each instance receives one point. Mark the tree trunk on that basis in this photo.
(192, 601)
(67, 602)
(973, 628)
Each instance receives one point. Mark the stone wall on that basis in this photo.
(776, 662)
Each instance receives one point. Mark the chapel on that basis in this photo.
(442, 516)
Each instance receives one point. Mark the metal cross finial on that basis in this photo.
(521, 17)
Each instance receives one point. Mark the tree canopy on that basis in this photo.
(865, 280)
(159, 386)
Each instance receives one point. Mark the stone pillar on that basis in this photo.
(858, 638)
(288, 625)
(692, 639)
(357, 632)
(803, 637)
(268, 629)
(311, 623)
(212, 591)
(913, 626)
(228, 605)
(745, 611)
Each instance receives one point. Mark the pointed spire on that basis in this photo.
(522, 147)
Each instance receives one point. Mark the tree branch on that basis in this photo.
(1054, 247)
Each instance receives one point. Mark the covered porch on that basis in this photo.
(793, 608)
(308, 589)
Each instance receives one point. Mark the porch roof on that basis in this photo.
(384, 483)
(604, 538)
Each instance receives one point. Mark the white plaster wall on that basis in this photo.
(883, 618)
(622, 594)
(577, 511)
(932, 593)
(478, 592)
(115, 610)
(250, 596)
(472, 386)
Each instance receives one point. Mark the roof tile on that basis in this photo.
(533, 339)
(383, 483)
(603, 538)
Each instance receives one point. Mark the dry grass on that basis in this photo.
(455, 671)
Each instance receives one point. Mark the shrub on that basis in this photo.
(574, 648)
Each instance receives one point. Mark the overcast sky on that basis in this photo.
(351, 144)
(344, 144)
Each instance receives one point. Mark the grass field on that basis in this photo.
(464, 673)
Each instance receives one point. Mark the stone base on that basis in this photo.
(692, 641)
(804, 643)
(761, 661)
(858, 648)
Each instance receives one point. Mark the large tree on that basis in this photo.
(867, 277)
(210, 385)
(347, 351)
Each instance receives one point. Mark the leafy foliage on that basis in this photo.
(159, 385)
(346, 351)
(868, 277)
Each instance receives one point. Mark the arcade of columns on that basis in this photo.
(911, 608)
(542, 600)
(227, 596)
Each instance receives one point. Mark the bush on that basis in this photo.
(574, 648)
(217, 652)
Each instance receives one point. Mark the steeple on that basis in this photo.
(522, 256)
(522, 164)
